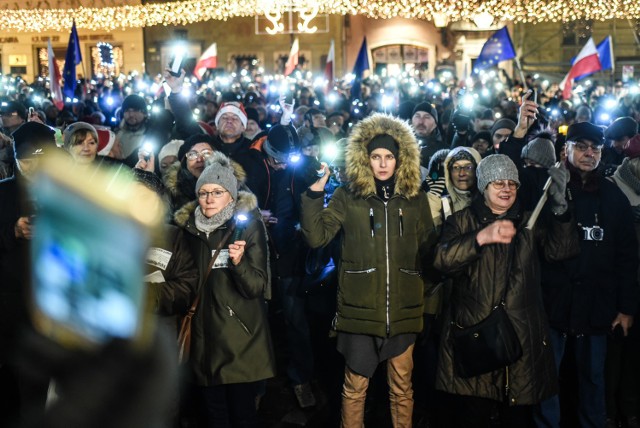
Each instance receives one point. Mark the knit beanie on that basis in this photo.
(383, 141)
(482, 135)
(540, 150)
(495, 167)
(134, 102)
(33, 139)
(75, 127)
(621, 127)
(461, 153)
(503, 123)
(426, 107)
(252, 114)
(281, 141)
(219, 171)
(234, 108)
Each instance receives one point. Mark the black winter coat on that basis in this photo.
(479, 277)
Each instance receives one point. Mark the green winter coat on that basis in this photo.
(230, 337)
(386, 247)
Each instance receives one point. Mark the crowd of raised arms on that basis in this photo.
(391, 219)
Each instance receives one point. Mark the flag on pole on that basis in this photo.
(54, 79)
(605, 54)
(329, 66)
(587, 62)
(361, 65)
(73, 58)
(209, 59)
(496, 49)
(292, 62)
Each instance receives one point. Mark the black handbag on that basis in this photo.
(491, 344)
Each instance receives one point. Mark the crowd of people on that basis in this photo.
(416, 205)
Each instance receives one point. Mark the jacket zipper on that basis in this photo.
(361, 271)
(371, 222)
(401, 222)
(386, 249)
(232, 314)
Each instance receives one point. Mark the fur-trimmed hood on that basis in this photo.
(170, 177)
(247, 203)
(358, 169)
(459, 200)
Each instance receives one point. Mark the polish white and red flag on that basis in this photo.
(209, 59)
(54, 79)
(586, 62)
(292, 62)
(329, 67)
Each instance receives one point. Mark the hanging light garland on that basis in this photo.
(190, 11)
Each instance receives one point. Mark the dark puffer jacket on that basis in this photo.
(230, 337)
(478, 283)
(386, 247)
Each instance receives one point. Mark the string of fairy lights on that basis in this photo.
(191, 11)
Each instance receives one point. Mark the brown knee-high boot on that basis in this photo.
(400, 388)
(354, 393)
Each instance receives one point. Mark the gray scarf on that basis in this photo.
(208, 225)
(626, 174)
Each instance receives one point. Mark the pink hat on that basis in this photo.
(235, 108)
(632, 147)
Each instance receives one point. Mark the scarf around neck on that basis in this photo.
(208, 225)
(385, 189)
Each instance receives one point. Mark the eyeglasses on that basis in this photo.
(583, 147)
(501, 184)
(214, 193)
(460, 168)
(193, 155)
(8, 114)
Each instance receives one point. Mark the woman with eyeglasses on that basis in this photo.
(181, 177)
(231, 350)
(486, 249)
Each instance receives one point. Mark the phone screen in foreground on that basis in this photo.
(87, 267)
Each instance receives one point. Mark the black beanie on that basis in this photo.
(135, 102)
(426, 107)
(383, 141)
(252, 114)
(33, 139)
(192, 141)
(281, 141)
(503, 123)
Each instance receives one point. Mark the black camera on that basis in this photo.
(593, 233)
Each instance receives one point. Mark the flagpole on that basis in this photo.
(519, 67)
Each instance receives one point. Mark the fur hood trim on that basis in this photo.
(170, 178)
(247, 202)
(359, 171)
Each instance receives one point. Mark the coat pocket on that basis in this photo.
(411, 288)
(358, 287)
(235, 316)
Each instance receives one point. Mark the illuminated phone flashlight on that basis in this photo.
(241, 225)
(294, 157)
(610, 103)
(468, 101)
(147, 149)
(562, 129)
(605, 117)
(178, 55)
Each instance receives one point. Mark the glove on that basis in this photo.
(558, 188)
(461, 122)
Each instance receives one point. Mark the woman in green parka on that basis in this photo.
(231, 349)
(383, 220)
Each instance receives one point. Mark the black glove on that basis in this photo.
(461, 122)
(557, 190)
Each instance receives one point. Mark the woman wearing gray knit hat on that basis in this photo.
(231, 350)
(81, 141)
(492, 259)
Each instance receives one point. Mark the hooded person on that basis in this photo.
(380, 297)
(231, 349)
(435, 181)
(460, 184)
(538, 155)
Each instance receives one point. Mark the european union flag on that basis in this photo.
(73, 58)
(362, 64)
(498, 48)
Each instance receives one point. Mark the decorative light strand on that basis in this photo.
(190, 11)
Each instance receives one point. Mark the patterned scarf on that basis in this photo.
(208, 225)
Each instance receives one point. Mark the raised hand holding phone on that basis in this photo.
(527, 114)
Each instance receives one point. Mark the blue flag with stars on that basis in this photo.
(73, 58)
(361, 65)
(498, 48)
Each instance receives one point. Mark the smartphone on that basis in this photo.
(534, 96)
(32, 111)
(176, 64)
(288, 97)
(88, 256)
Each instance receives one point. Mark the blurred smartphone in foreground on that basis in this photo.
(88, 256)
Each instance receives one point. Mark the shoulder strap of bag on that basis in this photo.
(222, 243)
